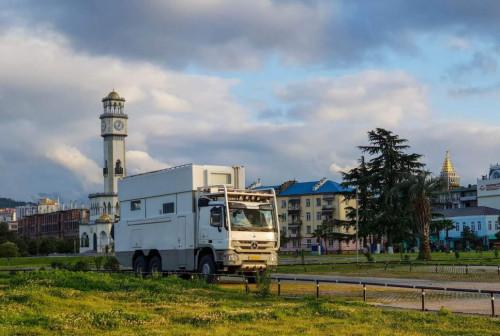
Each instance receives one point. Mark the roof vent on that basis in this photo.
(319, 184)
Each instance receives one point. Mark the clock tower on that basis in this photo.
(97, 235)
(114, 131)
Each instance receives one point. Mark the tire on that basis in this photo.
(155, 264)
(206, 268)
(139, 266)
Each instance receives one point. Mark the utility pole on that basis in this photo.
(357, 227)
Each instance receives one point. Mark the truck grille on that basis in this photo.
(252, 245)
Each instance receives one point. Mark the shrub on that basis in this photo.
(81, 266)
(263, 284)
(495, 251)
(8, 250)
(406, 258)
(111, 264)
(98, 261)
(47, 246)
(457, 254)
(444, 311)
(56, 265)
(369, 256)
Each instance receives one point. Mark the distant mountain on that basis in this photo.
(10, 203)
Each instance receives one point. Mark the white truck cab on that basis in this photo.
(184, 219)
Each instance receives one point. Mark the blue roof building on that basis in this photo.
(303, 206)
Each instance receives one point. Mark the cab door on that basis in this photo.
(213, 229)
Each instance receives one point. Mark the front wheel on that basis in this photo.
(206, 268)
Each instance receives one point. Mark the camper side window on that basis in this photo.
(216, 216)
(168, 208)
(135, 205)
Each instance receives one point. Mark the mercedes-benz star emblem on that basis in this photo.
(254, 245)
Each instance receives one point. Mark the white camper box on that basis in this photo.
(159, 219)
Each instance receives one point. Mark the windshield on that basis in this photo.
(251, 219)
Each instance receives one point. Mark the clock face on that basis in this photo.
(103, 125)
(118, 124)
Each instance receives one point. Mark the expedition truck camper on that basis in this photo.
(196, 218)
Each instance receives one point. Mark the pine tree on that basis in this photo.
(381, 210)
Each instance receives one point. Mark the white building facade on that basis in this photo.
(482, 221)
(97, 236)
(488, 188)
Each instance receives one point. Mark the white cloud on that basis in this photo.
(71, 158)
(382, 97)
(50, 103)
(140, 162)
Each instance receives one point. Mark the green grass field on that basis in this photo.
(396, 271)
(486, 258)
(74, 303)
(37, 262)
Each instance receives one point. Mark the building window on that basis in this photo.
(308, 229)
(294, 231)
(168, 207)
(330, 242)
(318, 202)
(458, 227)
(283, 204)
(135, 205)
(473, 227)
(308, 243)
(318, 216)
(489, 225)
(308, 202)
(308, 216)
(478, 226)
(294, 243)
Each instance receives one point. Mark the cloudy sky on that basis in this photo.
(287, 88)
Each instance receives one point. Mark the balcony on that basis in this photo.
(295, 223)
(118, 170)
(327, 208)
(293, 207)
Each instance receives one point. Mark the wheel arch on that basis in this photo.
(203, 252)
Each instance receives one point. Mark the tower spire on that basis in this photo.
(448, 173)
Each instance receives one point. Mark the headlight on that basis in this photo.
(233, 257)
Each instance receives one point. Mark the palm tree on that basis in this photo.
(416, 192)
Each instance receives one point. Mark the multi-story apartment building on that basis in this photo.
(8, 215)
(63, 224)
(302, 208)
(461, 197)
(45, 205)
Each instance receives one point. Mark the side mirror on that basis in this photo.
(216, 217)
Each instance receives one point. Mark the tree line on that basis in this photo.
(11, 245)
(394, 193)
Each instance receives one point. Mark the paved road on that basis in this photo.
(397, 281)
(463, 302)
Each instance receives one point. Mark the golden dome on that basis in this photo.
(113, 95)
(104, 218)
(47, 201)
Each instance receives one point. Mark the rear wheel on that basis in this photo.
(206, 268)
(155, 264)
(139, 265)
